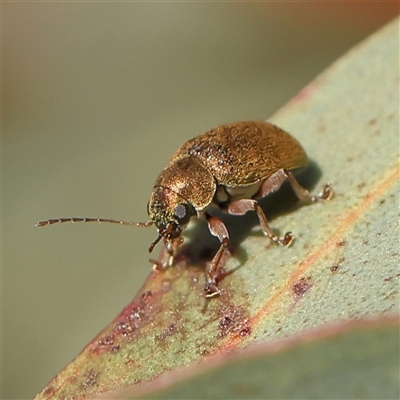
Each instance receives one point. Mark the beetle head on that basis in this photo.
(180, 191)
(170, 212)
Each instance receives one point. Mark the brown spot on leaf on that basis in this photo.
(166, 285)
(321, 128)
(146, 296)
(170, 330)
(115, 348)
(127, 324)
(361, 185)
(105, 342)
(49, 391)
(245, 331)
(90, 379)
(233, 320)
(301, 287)
(224, 323)
(123, 328)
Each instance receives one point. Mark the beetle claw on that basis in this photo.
(211, 289)
(285, 241)
(158, 265)
(327, 193)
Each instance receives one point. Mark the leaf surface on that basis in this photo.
(343, 361)
(343, 264)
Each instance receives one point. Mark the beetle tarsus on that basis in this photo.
(327, 193)
(287, 239)
(211, 289)
(158, 265)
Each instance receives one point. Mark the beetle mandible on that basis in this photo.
(229, 167)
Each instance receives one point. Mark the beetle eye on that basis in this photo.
(183, 212)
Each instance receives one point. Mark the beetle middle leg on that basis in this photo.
(271, 185)
(218, 229)
(241, 207)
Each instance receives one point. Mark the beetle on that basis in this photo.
(230, 167)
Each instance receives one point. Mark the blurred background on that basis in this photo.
(96, 97)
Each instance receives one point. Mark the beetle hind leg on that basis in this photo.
(303, 194)
(241, 207)
(274, 182)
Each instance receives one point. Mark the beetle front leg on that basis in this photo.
(217, 229)
(170, 247)
(241, 207)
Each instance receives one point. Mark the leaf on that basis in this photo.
(345, 361)
(343, 264)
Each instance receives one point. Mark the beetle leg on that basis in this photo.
(218, 229)
(170, 249)
(158, 265)
(241, 207)
(274, 182)
(304, 195)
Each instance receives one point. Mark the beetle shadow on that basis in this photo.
(200, 246)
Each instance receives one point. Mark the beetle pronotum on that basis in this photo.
(229, 167)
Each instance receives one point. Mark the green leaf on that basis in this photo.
(343, 264)
(344, 361)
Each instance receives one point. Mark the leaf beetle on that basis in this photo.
(230, 167)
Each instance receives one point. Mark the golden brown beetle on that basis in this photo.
(229, 167)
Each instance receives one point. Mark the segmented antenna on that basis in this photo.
(78, 219)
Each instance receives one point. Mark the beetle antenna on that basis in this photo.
(78, 219)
